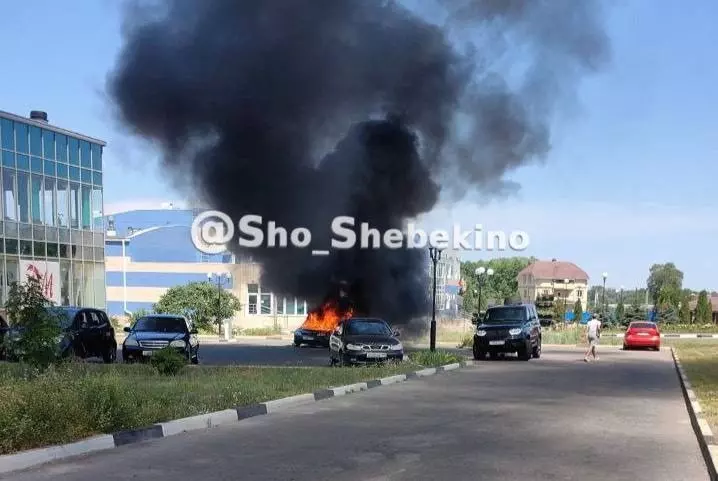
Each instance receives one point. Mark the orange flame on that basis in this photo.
(326, 317)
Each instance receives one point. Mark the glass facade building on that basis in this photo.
(52, 210)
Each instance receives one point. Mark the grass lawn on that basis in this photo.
(77, 400)
(700, 361)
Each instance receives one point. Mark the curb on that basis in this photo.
(706, 439)
(35, 457)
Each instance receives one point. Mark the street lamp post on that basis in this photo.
(565, 299)
(603, 293)
(435, 254)
(480, 271)
(620, 301)
(221, 277)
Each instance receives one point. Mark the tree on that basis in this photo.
(199, 301)
(501, 287)
(704, 310)
(684, 314)
(138, 314)
(578, 311)
(665, 285)
(667, 314)
(634, 312)
(620, 311)
(39, 327)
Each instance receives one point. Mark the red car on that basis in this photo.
(642, 334)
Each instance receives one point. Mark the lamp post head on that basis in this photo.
(622, 288)
(228, 275)
(489, 272)
(566, 281)
(480, 270)
(604, 275)
(209, 276)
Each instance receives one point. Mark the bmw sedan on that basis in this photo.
(158, 331)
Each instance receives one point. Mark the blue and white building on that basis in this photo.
(149, 251)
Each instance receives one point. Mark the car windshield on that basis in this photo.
(64, 315)
(160, 324)
(642, 325)
(505, 314)
(368, 328)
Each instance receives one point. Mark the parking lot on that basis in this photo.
(554, 418)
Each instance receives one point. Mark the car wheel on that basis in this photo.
(297, 344)
(479, 355)
(625, 347)
(195, 360)
(525, 352)
(537, 350)
(110, 355)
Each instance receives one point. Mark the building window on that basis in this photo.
(252, 298)
(63, 202)
(23, 196)
(35, 141)
(75, 206)
(280, 306)
(48, 144)
(7, 127)
(265, 303)
(579, 293)
(9, 199)
(74, 151)
(37, 200)
(21, 143)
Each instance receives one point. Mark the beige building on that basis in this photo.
(564, 280)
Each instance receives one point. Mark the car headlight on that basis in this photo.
(353, 347)
(131, 341)
(397, 347)
(178, 343)
(515, 332)
(480, 333)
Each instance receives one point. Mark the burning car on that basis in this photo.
(320, 323)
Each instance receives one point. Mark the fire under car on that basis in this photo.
(362, 340)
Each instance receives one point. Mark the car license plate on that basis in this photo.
(642, 333)
(307, 338)
(146, 353)
(496, 343)
(375, 355)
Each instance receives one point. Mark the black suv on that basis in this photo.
(362, 340)
(508, 329)
(86, 332)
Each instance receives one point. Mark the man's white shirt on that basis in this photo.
(593, 326)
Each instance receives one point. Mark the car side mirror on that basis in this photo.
(193, 330)
(397, 334)
(126, 329)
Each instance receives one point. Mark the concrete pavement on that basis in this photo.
(555, 418)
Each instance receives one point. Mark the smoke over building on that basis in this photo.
(302, 110)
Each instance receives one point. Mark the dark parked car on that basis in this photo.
(86, 333)
(508, 329)
(158, 331)
(311, 337)
(363, 341)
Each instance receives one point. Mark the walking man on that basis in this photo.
(593, 331)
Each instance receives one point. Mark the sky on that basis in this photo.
(629, 181)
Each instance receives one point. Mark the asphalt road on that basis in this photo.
(556, 418)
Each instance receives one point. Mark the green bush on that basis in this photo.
(261, 331)
(37, 344)
(72, 401)
(168, 361)
(428, 358)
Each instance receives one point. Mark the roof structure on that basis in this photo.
(554, 269)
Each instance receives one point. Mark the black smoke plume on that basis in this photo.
(248, 100)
